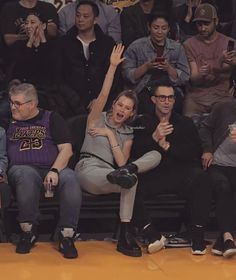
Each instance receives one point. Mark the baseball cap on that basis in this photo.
(205, 12)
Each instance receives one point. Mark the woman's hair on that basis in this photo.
(131, 95)
(158, 14)
(41, 17)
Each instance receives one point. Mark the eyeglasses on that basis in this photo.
(18, 104)
(163, 98)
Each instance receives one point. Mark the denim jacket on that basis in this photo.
(3, 152)
(142, 50)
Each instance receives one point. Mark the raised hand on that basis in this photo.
(116, 54)
(228, 57)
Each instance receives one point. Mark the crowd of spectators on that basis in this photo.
(179, 60)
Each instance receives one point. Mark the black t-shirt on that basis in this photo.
(58, 128)
(13, 16)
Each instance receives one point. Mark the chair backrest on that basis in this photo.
(77, 126)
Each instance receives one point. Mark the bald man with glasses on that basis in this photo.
(175, 137)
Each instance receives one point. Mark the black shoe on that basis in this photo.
(178, 240)
(198, 242)
(153, 239)
(26, 242)
(229, 248)
(127, 244)
(122, 177)
(67, 247)
(218, 247)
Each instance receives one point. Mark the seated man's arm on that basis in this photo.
(201, 75)
(51, 29)
(63, 26)
(63, 157)
(65, 153)
(200, 71)
(52, 20)
(114, 28)
(181, 67)
(127, 28)
(61, 137)
(144, 140)
(3, 154)
(11, 39)
(206, 135)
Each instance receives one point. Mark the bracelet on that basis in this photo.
(115, 146)
(55, 170)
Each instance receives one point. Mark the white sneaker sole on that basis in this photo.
(229, 253)
(217, 252)
(156, 246)
(199, 252)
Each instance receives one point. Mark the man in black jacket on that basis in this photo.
(85, 52)
(180, 172)
(176, 138)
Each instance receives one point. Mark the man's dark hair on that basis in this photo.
(163, 82)
(93, 5)
(155, 15)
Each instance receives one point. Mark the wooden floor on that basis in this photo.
(99, 260)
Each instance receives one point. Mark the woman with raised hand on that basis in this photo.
(107, 145)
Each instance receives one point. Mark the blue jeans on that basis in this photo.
(28, 184)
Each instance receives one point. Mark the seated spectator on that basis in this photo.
(13, 16)
(84, 53)
(218, 135)
(134, 19)
(33, 60)
(5, 191)
(107, 144)
(38, 154)
(150, 58)
(176, 138)
(108, 19)
(186, 24)
(210, 62)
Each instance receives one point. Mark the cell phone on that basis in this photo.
(230, 46)
(160, 59)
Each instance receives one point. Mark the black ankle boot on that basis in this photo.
(124, 176)
(126, 242)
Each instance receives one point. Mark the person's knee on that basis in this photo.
(17, 172)
(68, 179)
(222, 187)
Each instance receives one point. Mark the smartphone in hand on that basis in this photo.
(160, 59)
(230, 46)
